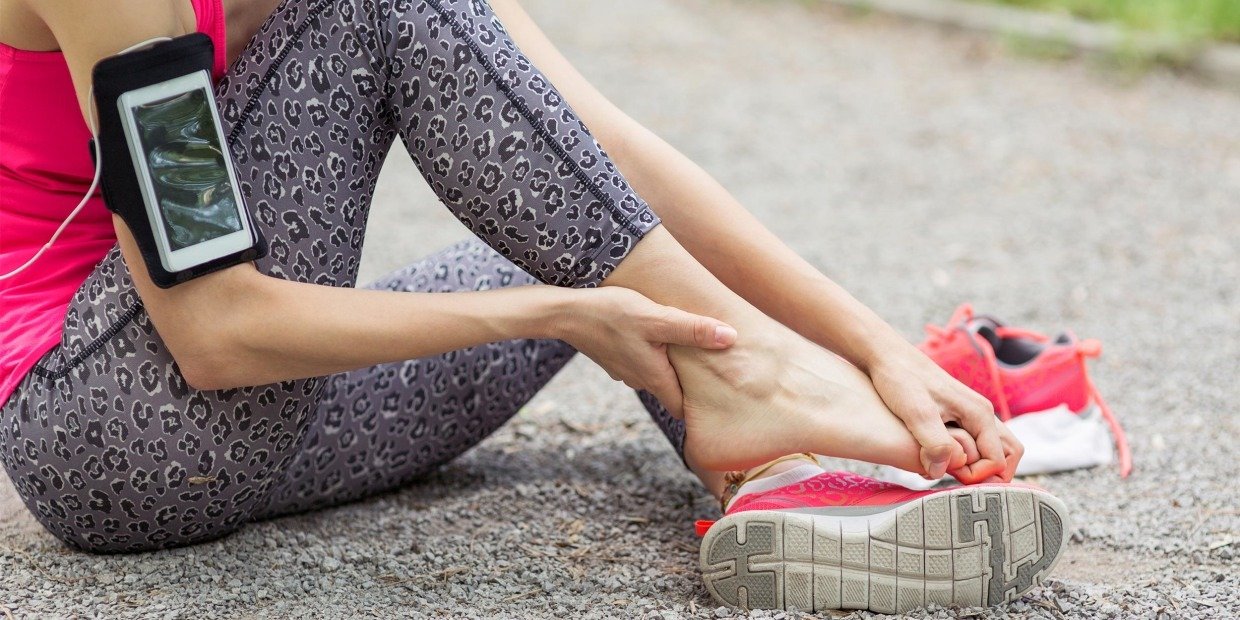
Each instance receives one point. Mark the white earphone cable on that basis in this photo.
(94, 183)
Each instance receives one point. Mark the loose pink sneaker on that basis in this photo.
(1021, 371)
(844, 541)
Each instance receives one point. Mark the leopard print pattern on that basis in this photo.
(113, 451)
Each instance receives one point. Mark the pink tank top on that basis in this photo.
(45, 169)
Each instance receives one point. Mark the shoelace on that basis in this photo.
(1088, 348)
(1093, 348)
(957, 325)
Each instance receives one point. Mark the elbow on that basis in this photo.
(208, 337)
(206, 359)
(212, 359)
(207, 371)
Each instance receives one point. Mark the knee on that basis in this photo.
(106, 525)
(474, 265)
(133, 537)
(82, 531)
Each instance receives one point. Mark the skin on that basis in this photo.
(749, 342)
(752, 262)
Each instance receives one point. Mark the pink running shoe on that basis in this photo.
(844, 541)
(1019, 370)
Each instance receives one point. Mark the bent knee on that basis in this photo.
(83, 530)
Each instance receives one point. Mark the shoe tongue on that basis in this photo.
(984, 320)
(986, 329)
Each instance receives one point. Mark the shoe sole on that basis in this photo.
(968, 547)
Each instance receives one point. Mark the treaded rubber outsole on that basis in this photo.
(967, 547)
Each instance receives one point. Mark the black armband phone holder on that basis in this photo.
(122, 189)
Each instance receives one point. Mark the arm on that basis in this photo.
(716, 229)
(240, 327)
(730, 242)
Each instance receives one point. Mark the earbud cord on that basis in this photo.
(94, 183)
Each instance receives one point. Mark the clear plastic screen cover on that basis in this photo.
(186, 161)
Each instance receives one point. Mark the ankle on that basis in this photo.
(663, 270)
(800, 471)
(775, 469)
(768, 475)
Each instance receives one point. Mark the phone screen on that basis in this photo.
(183, 152)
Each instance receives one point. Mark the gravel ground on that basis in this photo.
(918, 167)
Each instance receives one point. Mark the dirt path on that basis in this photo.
(919, 168)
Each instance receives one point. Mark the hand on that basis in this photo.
(968, 473)
(926, 398)
(627, 334)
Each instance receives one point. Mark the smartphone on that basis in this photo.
(187, 178)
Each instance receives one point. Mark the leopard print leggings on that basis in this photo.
(111, 449)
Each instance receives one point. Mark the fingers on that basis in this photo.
(692, 330)
(972, 468)
(981, 470)
(977, 417)
(665, 386)
(938, 449)
(967, 444)
(985, 467)
(977, 469)
(1013, 451)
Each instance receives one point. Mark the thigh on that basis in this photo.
(380, 427)
(106, 443)
(115, 452)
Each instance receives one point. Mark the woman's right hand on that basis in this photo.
(627, 334)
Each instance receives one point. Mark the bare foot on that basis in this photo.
(775, 393)
(771, 394)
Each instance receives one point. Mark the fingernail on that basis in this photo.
(937, 469)
(724, 335)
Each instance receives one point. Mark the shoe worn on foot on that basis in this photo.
(844, 541)
(1019, 370)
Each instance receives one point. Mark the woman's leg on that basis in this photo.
(502, 149)
(109, 446)
(503, 152)
(106, 443)
(453, 60)
(380, 427)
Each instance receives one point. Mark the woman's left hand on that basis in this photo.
(927, 399)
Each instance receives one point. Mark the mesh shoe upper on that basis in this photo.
(1018, 370)
(834, 489)
(829, 489)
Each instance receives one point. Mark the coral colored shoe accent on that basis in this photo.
(844, 541)
(1019, 370)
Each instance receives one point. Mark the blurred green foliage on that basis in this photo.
(1189, 20)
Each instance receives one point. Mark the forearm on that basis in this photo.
(240, 327)
(287, 330)
(719, 233)
(729, 241)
